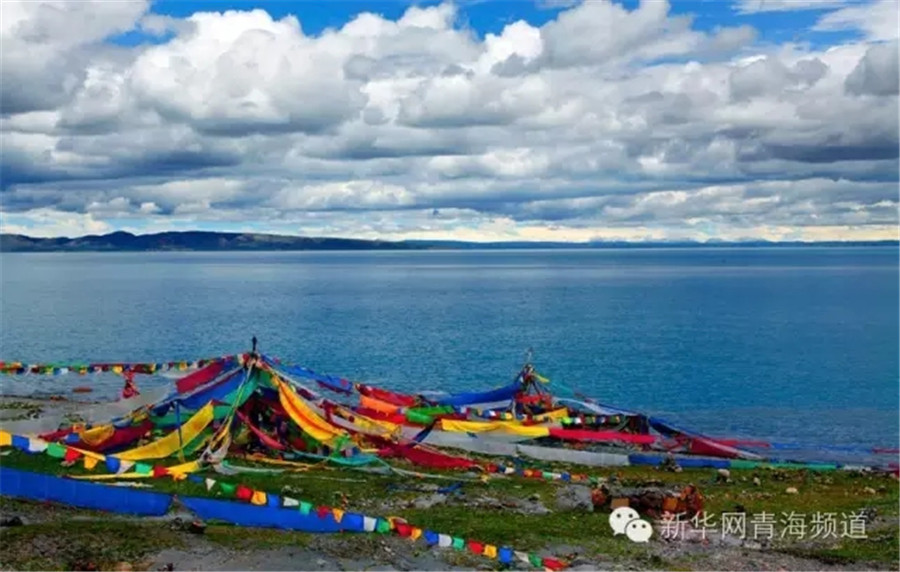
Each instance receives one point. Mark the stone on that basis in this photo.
(531, 507)
(757, 482)
(575, 497)
(869, 513)
(197, 527)
(670, 464)
(791, 490)
(869, 491)
(723, 476)
(429, 501)
(11, 521)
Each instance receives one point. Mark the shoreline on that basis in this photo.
(551, 518)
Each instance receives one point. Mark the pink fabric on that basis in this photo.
(585, 435)
(194, 380)
(426, 458)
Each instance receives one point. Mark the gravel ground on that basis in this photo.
(370, 552)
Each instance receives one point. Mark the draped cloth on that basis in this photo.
(172, 442)
(304, 416)
(532, 431)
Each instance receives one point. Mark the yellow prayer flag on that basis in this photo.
(90, 463)
(490, 550)
(258, 498)
(5, 439)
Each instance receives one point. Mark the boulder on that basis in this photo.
(575, 497)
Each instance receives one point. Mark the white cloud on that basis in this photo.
(603, 122)
(756, 6)
(878, 19)
(877, 73)
(45, 47)
(45, 222)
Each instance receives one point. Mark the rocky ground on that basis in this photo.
(61, 538)
(553, 519)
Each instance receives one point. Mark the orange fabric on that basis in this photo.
(377, 404)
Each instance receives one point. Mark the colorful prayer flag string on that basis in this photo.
(19, 368)
(252, 496)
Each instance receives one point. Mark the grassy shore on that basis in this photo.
(525, 514)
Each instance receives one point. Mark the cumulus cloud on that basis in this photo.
(47, 47)
(877, 73)
(605, 122)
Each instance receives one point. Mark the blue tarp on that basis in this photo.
(331, 382)
(499, 394)
(686, 462)
(218, 391)
(269, 516)
(200, 396)
(122, 500)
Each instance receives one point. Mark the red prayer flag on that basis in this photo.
(199, 377)
(243, 493)
(553, 564)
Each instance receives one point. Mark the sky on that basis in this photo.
(477, 120)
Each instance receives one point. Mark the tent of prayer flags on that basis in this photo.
(261, 404)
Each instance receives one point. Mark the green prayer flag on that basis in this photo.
(535, 560)
(305, 507)
(56, 450)
(459, 543)
(143, 469)
(227, 488)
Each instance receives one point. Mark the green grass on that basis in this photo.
(70, 545)
(240, 538)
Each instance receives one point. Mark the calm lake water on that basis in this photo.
(783, 344)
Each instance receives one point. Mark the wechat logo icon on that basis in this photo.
(625, 520)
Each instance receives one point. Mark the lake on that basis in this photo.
(790, 344)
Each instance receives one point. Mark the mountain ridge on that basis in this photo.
(194, 241)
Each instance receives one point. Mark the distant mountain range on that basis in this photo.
(231, 241)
